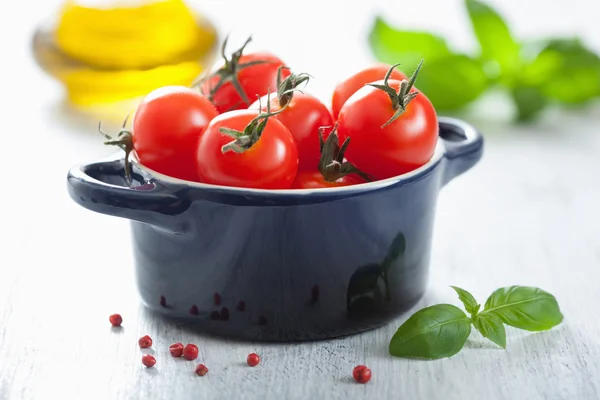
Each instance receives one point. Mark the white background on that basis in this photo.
(527, 214)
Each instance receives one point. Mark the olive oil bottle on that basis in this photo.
(109, 51)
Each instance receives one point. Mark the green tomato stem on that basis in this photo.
(403, 96)
(332, 165)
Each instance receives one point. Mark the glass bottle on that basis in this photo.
(107, 51)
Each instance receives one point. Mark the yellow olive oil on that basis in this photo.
(112, 51)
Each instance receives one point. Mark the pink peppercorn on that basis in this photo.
(190, 352)
(176, 349)
(148, 360)
(253, 359)
(115, 320)
(145, 342)
(201, 370)
(361, 374)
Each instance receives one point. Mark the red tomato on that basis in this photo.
(402, 146)
(303, 116)
(270, 163)
(254, 80)
(350, 85)
(314, 179)
(166, 128)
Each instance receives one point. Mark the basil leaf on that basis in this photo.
(529, 101)
(468, 300)
(565, 70)
(449, 80)
(434, 332)
(497, 43)
(492, 328)
(524, 307)
(452, 82)
(392, 46)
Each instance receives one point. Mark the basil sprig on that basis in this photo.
(441, 330)
(535, 74)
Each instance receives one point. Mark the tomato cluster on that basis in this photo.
(247, 123)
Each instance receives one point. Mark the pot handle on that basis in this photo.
(463, 144)
(101, 187)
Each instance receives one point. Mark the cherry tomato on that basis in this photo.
(314, 179)
(254, 80)
(166, 128)
(350, 85)
(270, 161)
(402, 145)
(303, 116)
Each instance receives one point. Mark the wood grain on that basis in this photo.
(527, 214)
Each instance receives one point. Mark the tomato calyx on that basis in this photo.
(229, 72)
(287, 87)
(244, 140)
(332, 165)
(403, 96)
(124, 140)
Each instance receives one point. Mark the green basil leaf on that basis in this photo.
(468, 300)
(529, 101)
(434, 332)
(392, 46)
(449, 80)
(496, 41)
(524, 307)
(492, 328)
(452, 82)
(565, 70)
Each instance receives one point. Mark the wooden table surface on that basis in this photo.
(527, 214)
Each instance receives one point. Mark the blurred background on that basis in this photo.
(103, 51)
(77, 43)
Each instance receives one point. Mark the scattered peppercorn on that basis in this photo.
(115, 320)
(148, 360)
(145, 342)
(163, 301)
(217, 299)
(194, 310)
(215, 315)
(241, 306)
(190, 352)
(253, 359)
(176, 349)
(224, 314)
(361, 374)
(201, 370)
(262, 320)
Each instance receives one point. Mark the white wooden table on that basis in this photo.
(527, 214)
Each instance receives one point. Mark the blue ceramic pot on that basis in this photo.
(280, 265)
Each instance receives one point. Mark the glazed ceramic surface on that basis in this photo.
(283, 265)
